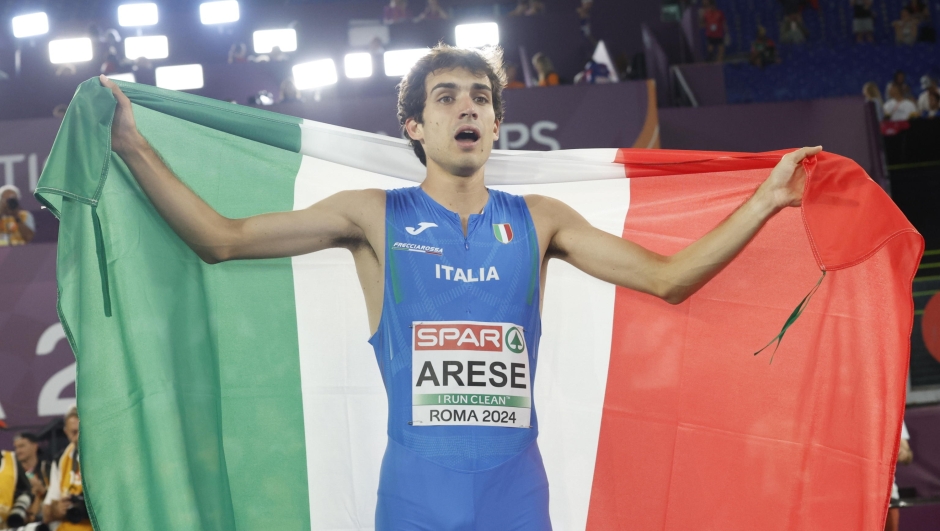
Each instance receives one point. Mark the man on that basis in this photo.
(474, 288)
(15, 491)
(17, 226)
(716, 27)
(26, 446)
(65, 500)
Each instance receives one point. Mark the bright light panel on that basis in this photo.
(399, 62)
(129, 77)
(358, 65)
(477, 35)
(181, 77)
(30, 25)
(266, 40)
(137, 14)
(314, 74)
(151, 47)
(70, 50)
(218, 12)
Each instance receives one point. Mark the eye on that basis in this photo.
(482, 100)
(445, 99)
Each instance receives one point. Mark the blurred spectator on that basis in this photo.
(111, 62)
(905, 28)
(512, 77)
(792, 22)
(763, 49)
(15, 491)
(594, 73)
(791, 32)
(238, 53)
(927, 85)
(716, 28)
(872, 93)
(65, 500)
(584, 18)
(289, 91)
(920, 11)
(277, 55)
(863, 20)
(527, 8)
(933, 104)
(546, 70)
(396, 11)
(905, 457)
(26, 447)
(900, 79)
(898, 108)
(67, 69)
(433, 11)
(17, 226)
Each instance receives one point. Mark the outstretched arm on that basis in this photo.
(672, 278)
(334, 222)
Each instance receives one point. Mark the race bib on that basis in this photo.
(467, 373)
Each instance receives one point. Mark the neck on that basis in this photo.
(463, 195)
(29, 463)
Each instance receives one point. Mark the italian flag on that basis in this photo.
(244, 396)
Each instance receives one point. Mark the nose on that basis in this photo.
(469, 108)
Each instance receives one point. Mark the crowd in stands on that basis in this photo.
(912, 25)
(901, 104)
(35, 489)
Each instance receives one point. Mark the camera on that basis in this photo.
(17, 516)
(13, 203)
(77, 512)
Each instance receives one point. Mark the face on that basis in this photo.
(24, 449)
(71, 429)
(460, 123)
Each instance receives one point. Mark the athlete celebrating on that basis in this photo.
(456, 324)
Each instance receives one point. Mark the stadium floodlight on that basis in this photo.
(129, 77)
(314, 74)
(137, 14)
(399, 62)
(266, 40)
(477, 35)
(180, 77)
(151, 47)
(30, 25)
(358, 65)
(218, 12)
(70, 50)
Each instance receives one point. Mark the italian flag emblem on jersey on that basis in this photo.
(503, 232)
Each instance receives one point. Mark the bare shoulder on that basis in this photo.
(550, 212)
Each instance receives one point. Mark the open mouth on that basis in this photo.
(467, 136)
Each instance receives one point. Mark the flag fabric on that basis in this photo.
(244, 395)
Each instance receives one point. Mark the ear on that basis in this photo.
(414, 129)
(496, 130)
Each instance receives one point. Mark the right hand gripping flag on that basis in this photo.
(244, 395)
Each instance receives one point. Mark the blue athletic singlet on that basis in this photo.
(457, 348)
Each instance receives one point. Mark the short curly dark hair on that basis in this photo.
(412, 93)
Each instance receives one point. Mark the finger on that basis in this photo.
(800, 154)
(116, 90)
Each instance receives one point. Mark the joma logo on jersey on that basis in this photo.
(459, 337)
(457, 274)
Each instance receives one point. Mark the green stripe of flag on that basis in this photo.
(191, 405)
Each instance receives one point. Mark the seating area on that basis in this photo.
(811, 72)
(829, 63)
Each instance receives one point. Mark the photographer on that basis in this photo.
(15, 492)
(17, 226)
(65, 501)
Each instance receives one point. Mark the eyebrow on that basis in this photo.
(475, 86)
